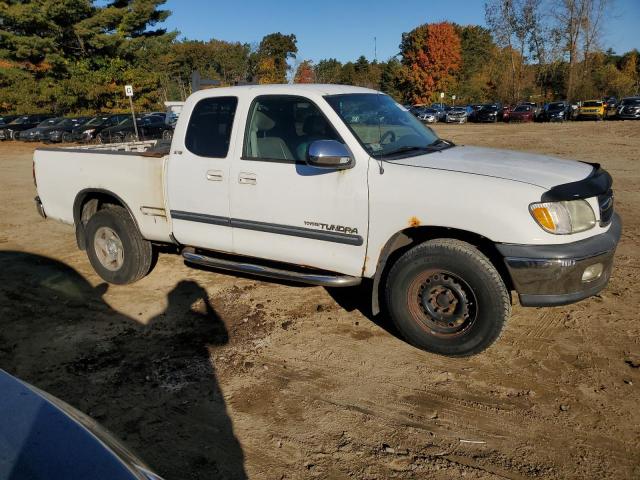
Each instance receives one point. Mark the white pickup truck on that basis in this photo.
(332, 185)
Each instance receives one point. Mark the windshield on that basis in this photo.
(19, 121)
(383, 127)
(631, 101)
(556, 106)
(95, 121)
(522, 108)
(459, 110)
(592, 104)
(489, 108)
(50, 122)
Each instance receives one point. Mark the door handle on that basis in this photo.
(247, 178)
(214, 175)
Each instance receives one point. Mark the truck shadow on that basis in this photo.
(154, 386)
(359, 298)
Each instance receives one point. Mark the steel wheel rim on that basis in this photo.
(442, 303)
(108, 248)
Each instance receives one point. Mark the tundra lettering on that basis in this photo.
(332, 228)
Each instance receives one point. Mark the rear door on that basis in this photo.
(198, 173)
(283, 209)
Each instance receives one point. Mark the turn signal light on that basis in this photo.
(543, 217)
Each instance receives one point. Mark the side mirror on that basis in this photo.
(329, 154)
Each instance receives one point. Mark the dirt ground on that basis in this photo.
(207, 375)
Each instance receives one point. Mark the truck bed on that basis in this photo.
(132, 172)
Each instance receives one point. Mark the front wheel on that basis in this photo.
(115, 248)
(446, 297)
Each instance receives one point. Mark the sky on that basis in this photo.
(345, 29)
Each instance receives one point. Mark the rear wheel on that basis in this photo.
(167, 135)
(446, 297)
(130, 137)
(115, 248)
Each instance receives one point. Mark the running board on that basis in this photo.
(326, 280)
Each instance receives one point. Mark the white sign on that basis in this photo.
(453, 97)
(128, 90)
(441, 94)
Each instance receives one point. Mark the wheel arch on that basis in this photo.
(408, 238)
(88, 202)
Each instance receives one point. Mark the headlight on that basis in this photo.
(562, 218)
(89, 132)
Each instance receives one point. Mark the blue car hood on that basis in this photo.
(39, 441)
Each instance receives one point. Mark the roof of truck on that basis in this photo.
(290, 89)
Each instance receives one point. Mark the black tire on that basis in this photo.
(167, 135)
(446, 297)
(130, 137)
(136, 252)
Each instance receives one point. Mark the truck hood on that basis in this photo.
(541, 170)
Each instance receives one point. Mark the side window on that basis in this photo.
(281, 128)
(209, 129)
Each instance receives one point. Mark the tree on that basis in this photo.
(391, 78)
(328, 71)
(56, 51)
(514, 24)
(304, 73)
(478, 54)
(431, 55)
(272, 55)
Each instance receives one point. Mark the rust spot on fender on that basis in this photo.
(414, 222)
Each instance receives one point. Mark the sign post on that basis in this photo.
(453, 97)
(128, 91)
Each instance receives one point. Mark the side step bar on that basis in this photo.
(326, 280)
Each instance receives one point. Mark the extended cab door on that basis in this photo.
(198, 173)
(283, 209)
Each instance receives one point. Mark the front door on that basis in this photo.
(283, 209)
(198, 174)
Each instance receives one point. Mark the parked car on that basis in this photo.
(53, 130)
(88, 131)
(506, 112)
(287, 175)
(456, 115)
(12, 130)
(149, 127)
(629, 108)
(439, 108)
(43, 438)
(537, 109)
(610, 106)
(490, 112)
(556, 112)
(472, 111)
(5, 119)
(427, 115)
(522, 113)
(591, 110)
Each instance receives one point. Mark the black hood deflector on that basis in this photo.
(597, 183)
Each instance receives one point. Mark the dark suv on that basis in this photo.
(490, 112)
(556, 112)
(12, 130)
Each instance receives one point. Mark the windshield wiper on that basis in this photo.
(406, 148)
(445, 143)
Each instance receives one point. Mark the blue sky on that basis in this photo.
(345, 29)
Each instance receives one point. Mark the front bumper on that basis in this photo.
(549, 275)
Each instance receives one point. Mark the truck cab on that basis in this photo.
(335, 185)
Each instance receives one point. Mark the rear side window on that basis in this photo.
(209, 130)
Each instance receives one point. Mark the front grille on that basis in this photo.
(605, 202)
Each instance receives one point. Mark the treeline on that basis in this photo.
(76, 56)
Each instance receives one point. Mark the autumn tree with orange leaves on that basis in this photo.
(431, 55)
(304, 73)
